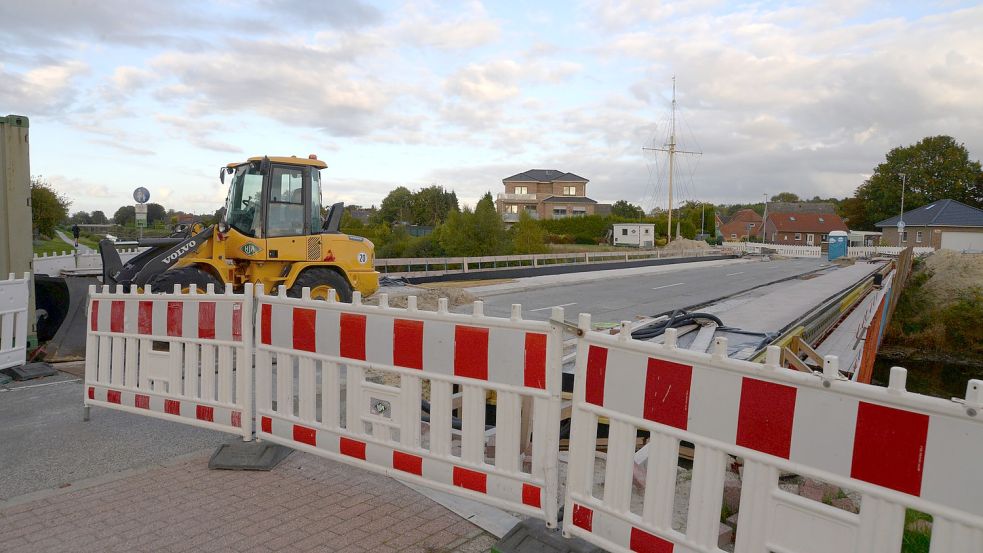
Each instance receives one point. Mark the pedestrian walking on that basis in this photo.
(76, 231)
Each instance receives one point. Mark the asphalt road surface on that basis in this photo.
(626, 298)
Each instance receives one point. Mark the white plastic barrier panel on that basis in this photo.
(14, 294)
(180, 357)
(894, 449)
(352, 382)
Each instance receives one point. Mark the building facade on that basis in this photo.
(944, 224)
(802, 228)
(638, 235)
(545, 194)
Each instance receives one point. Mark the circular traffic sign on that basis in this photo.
(141, 195)
(901, 225)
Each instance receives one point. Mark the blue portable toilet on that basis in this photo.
(838, 242)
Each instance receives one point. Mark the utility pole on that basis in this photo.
(670, 148)
(703, 216)
(764, 222)
(901, 224)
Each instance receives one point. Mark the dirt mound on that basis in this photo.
(426, 299)
(953, 273)
(687, 244)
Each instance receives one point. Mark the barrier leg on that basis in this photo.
(85, 413)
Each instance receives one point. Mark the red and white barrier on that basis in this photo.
(345, 381)
(183, 357)
(899, 450)
(14, 295)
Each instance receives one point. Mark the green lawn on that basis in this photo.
(54, 246)
(575, 248)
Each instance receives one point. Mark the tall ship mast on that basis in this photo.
(670, 149)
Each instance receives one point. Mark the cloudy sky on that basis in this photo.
(804, 97)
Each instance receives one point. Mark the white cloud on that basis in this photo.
(45, 89)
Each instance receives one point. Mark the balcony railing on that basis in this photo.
(517, 197)
(514, 217)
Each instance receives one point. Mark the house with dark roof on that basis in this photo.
(943, 224)
(802, 228)
(545, 194)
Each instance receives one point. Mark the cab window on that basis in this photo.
(315, 200)
(286, 208)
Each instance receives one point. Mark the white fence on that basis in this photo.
(179, 357)
(14, 294)
(374, 367)
(816, 251)
(54, 264)
(896, 450)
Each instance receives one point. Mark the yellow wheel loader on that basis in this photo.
(272, 233)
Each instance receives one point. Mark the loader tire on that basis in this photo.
(185, 277)
(320, 280)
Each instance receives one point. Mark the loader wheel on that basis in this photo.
(185, 276)
(320, 280)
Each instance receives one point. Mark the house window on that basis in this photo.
(751, 225)
(624, 232)
(918, 236)
(559, 212)
(646, 231)
(821, 220)
(823, 237)
(774, 235)
(798, 236)
(569, 190)
(579, 212)
(733, 236)
(791, 218)
(904, 236)
(785, 237)
(511, 208)
(521, 189)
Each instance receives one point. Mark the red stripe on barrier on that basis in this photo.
(889, 447)
(535, 361)
(352, 343)
(94, 316)
(266, 314)
(172, 407)
(141, 401)
(304, 325)
(405, 462)
(117, 310)
(175, 316)
(205, 413)
(471, 352)
(532, 495)
(643, 542)
(237, 419)
(92, 392)
(583, 517)
(667, 389)
(597, 364)
(113, 396)
(352, 448)
(145, 317)
(206, 320)
(305, 435)
(237, 322)
(470, 480)
(765, 417)
(408, 344)
(266, 424)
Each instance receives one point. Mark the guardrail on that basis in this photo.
(54, 264)
(816, 251)
(14, 294)
(436, 266)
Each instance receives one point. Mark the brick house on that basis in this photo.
(741, 225)
(545, 194)
(802, 228)
(944, 224)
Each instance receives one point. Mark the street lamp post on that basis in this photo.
(764, 222)
(901, 224)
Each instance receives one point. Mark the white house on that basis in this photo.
(638, 235)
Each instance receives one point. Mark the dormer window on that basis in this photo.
(821, 220)
(791, 218)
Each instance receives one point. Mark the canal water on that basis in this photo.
(935, 378)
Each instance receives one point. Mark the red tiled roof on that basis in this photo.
(806, 222)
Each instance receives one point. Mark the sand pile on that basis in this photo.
(953, 273)
(426, 299)
(687, 244)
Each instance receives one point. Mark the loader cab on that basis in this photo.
(272, 197)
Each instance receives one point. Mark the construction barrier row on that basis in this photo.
(14, 295)
(471, 404)
(54, 264)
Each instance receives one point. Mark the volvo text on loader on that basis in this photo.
(272, 233)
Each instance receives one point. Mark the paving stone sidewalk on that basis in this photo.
(305, 504)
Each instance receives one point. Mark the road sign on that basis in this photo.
(141, 212)
(141, 195)
(901, 226)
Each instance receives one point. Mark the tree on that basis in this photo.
(48, 207)
(99, 218)
(80, 218)
(935, 168)
(125, 215)
(431, 205)
(396, 207)
(527, 236)
(622, 208)
(788, 197)
(155, 212)
(489, 229)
